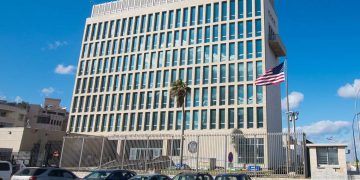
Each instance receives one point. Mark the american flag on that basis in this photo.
(275, 75)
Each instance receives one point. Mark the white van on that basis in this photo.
(5, 170)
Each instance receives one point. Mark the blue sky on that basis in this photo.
(321, 36)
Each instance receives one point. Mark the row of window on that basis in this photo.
(171, 58)
(147, 121)
(200, 97)
(201, 75)
(189, 16)
(171, 39)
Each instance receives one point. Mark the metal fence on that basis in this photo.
(262, 155)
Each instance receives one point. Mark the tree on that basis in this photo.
(179, 90)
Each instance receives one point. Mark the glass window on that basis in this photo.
(250, 117)
(231, 118)
(177, 38)
(257, 7)
(213, 96)
(189, 76)
(166, 78)
(158, 79)
(240, 117)
(214, 74)
(250, 94)
(249, 8)
(231, 72)
(223, 52)
(222, 73)
(192, 16)
(205, 96)
(327, 156)
(258, 27)
(187, 119)
(240, 50)
(200, 14)
(182, 74)
(197, 75)
(224, 12)
(259, 94)
(240, 94)
(120, 102)
(162, 40)
(199, 35)
(155, 121)
(231, 97)
(139, 122)
(249, 49)
(258, 48)
(205, 75)
(173, 75)
(260, 120)
(215, 33)
(149, 99)
(232, 31)
(212, 119)
(137, 25)
(103, 123)
(223, 32)
(143, 24)
(196, 97)
(142, 100)
(130, 25)
(178, 120)
(206, 54)
(169, 39)
(240, 30)
(164, 99)
(111, 123)
(157, 20)
(178, 18)
(215, 53)
(250, 71)
(249, 29)
(207, 34)
(175, 58)
(134, 101)
(222, 118)
(240, 9)
(147, 121)
(130, 82)
(160, 59)
(232, 51)
(203, 119)
(171, 19)
(216, 12)
(208, 13)
(232, 9)
(149, 23)
(192, 36)
(182, 56)
(198, 55)
(162, 120)
(184, 38)
(222, 97)
(155, 41)
(190, 56)
(171, 120)
(195, 119)
(185, 17)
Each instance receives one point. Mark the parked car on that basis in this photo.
(44, 174)
(151, 177)
(110, 175)
(232, 177)
(5, 170)
(193, 176)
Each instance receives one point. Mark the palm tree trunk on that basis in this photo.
(182, 136)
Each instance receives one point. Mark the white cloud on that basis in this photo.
(61, 69)
(18, 99)
(325, 127)
(2, 97)
(47, 91)
(55, 45)
(349, 90)
(295, 99)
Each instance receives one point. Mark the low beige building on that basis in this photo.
(327, 161)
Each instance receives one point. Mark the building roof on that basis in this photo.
(326, 145)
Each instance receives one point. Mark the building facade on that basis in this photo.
(133, 50)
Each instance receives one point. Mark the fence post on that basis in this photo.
(305, 163)
(102, 150)
(255, 153)
(197, 154)
(225, 154)
(82, 148)
(62, 151)
(146, 153)
(123, 153)
(171, 150)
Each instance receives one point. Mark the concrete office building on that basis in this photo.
(133, 50)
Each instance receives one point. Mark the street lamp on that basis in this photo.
(356, 158)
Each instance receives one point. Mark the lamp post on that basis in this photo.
(293, 116)
(356, 157)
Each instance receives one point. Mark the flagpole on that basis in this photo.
(288, 111)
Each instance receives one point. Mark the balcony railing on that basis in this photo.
(277, 45)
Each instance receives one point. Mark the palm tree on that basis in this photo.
(179, 90)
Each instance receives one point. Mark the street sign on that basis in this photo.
(230, 157)
(192, 147)
(253, 168)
